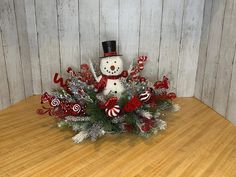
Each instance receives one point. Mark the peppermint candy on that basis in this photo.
(113, 112)
(145, 96)
(55, 102)
(76, 108)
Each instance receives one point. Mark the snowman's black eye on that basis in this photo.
(107, 61)
(114, 61)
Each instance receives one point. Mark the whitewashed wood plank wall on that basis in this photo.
(13, 66)
(68, 32)
(191, 41)
(216, 76)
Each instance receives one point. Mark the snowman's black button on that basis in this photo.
(115, 91)
(114, 83)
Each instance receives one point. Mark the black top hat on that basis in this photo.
(109, 48)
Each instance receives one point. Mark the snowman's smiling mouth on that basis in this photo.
(112, 72)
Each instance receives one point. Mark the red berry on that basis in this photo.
(145, 127)
(142, 79)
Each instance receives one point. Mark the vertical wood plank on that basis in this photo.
(150, 31)
(217, 16)
(203, 49)
(46, 14)
(189, 47)
(231, 109)
(11, 51)
(33, 45)
(68, 24)
(24, 46)
(170, 37)
(109, 11)
(129, 25)
(4, 94)
(226, 57)
(89, 30)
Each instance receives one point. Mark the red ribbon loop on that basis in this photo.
(132, 104)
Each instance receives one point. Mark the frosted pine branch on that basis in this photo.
(80, 136)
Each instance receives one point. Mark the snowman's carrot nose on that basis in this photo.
(112, 67)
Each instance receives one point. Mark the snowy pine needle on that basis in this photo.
(145, 114)
(175, 108)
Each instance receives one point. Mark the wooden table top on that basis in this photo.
(197, 142)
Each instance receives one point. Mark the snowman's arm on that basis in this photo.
(131, 66)
(99, 78)
(93, 71)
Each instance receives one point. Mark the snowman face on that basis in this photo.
(111, 66)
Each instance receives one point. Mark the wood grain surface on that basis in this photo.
(33, 45)
(68, 25)
(129, 29)
(213, 49)
(172, 18)
(189, 46)
(48, 42)
(5, 95)
(19, 8)
(226, 59)
(109, 22)
(215, 82)
(89, 30)
(150, 28)
(11, 52)
(39, 38)
(198, 142)
(203, 48)
(231, 111)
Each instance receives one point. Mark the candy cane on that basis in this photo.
(138, 67)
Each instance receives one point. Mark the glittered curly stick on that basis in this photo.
(59, 80)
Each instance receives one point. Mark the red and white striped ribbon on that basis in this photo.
(138, 67)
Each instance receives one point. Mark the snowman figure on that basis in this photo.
(111, 66)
